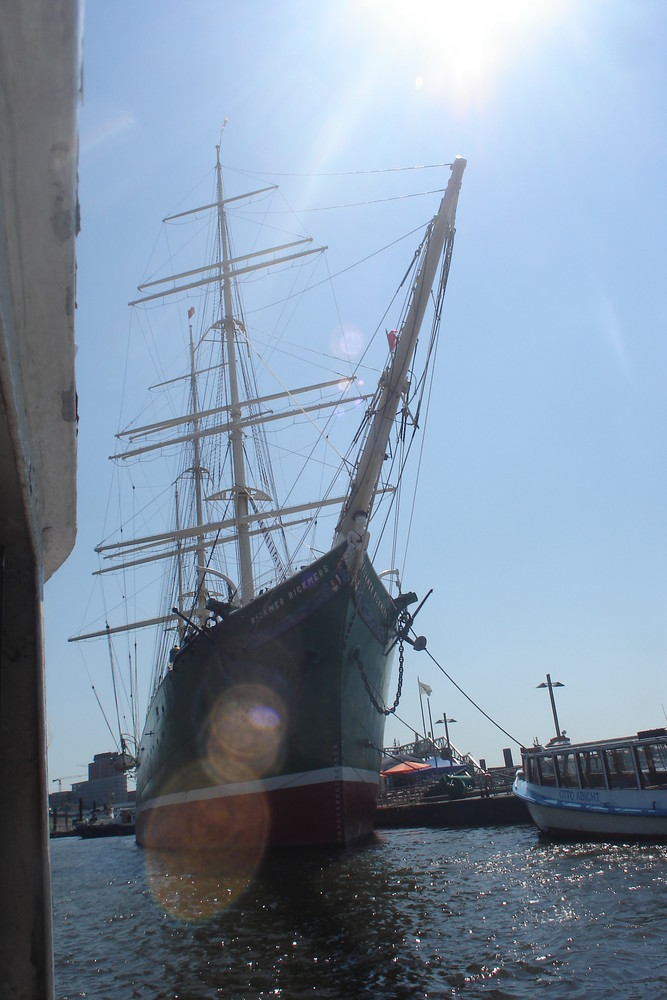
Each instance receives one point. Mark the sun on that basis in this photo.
(459, 48)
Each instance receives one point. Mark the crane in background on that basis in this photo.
(64, 777)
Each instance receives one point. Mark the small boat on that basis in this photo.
(108, 823)
(607, 788)
(270, 685)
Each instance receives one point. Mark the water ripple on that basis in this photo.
(430, 913)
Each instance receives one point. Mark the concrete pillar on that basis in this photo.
(26, 958)
(40, 81)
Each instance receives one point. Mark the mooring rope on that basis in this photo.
(486, 715)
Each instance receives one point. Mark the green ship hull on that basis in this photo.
(267, 728)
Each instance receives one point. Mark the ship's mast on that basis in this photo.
(240, 492)
(239, 414)
(179, 554)
(356, 510)
(197, 473)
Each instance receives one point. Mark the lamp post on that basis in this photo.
(446, 721)
(430, 719)
(551, 685)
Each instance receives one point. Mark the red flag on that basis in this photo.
(392, 338)
(191, 312)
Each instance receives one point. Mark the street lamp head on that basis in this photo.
(551, 685)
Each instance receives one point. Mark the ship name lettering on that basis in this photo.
(578, 796)
(374, 594)
(310, 580)
(588, 796)
(269, 609)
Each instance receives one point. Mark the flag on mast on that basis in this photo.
(191, 312)
(424, 688)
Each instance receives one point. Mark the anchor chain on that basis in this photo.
(404, 622)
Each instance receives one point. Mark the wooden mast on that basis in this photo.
(198, 474)
(240, 497)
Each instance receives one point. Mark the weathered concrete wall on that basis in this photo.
(39, 93)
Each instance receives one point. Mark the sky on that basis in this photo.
(542, 503)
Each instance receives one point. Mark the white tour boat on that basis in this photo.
(609, 788)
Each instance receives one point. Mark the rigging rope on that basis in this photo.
(340, 173)
(113, 735)
(519, 743)
(343, 270)
(358, 204)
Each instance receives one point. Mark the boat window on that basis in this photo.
(652, 760)
(547, 770)
(530, 768)
(592, 771)
(567, 770)
(620, 768)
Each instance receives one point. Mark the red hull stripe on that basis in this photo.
(263, 786)
(324, 807)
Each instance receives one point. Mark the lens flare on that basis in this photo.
(245, 733)
(211, 844)
(347, 342)
(195, 885)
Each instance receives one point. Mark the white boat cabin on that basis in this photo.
(638, 762)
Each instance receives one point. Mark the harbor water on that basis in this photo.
(495, 913)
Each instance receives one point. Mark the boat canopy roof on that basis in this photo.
(568, 747)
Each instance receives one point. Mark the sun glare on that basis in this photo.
(457, 51)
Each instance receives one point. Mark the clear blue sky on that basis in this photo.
(544, 505)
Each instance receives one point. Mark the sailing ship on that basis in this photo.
(270, 691)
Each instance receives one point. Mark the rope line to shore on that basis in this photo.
(458, 687)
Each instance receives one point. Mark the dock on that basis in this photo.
(503, 809)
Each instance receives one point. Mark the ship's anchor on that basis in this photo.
(405, 623)
(417, 643)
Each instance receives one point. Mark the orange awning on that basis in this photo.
(405, 767)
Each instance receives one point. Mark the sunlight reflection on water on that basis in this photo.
(477, 913)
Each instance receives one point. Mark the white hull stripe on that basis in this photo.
(303, 779)
(601, 810)
(597, 822)
(647, 803)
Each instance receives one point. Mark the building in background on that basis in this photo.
(106, 785)
(104, 792)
